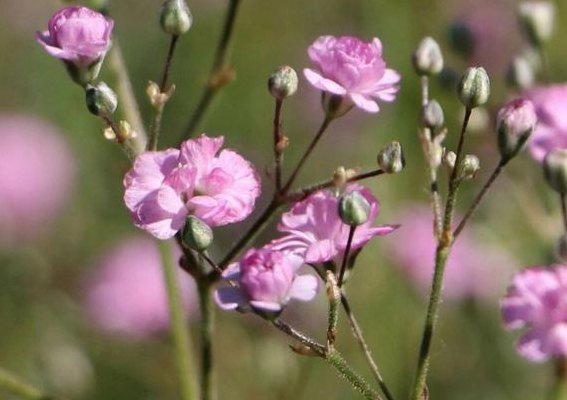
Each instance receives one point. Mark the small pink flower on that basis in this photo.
(349, 67)
(537, 299)
(163, 187)
(265, 280)
(78, 35)
(316, 232)
(126, 295)
(515, 123)
(550, 104)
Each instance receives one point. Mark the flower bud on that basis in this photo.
(461, 39)
(175, 18)
(427, 58)
(555, 170)
(391, 158)
(354, 209)
(515, 123)
(520, 73)
(283, 82)
(196, 234)
(432, 115)
(101, 100)
(449, 159)
(474, 87)
(335, 106)
(537, 20)
(469, 167)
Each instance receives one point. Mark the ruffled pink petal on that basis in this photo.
(321, 251)
(199, 152)
(322, 83)
(530, 346)
(364, 103)
(304, 288)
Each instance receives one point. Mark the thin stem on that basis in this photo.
(357, 332)
(155, 127)
(167, 64)
(178, 323)
(479, 198)
(219, 64)
(207, 327)
(564, 210)
(334, 295)
(10, 383)
(213, 265)
(307, 153)
(347, 253)
(459, 157)
(278, 145)
(559, 391)
(318, 348)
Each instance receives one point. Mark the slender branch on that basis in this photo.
(278, 145)
(357, 332)
(178, 324)
(219, 63)
(10, 383)
(345, 257)
(479, 198)
(453, 180)
(318, 348)
(167, 64)
(207, 327)
(564, 211)
(307, 153)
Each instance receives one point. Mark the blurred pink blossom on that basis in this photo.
(474, 269)
(266, 280)
(78, 35)
(316, 232)
(125, 293)
(163, 187)
(36, 176)
(550, 103)
(349, 67)
(537, 300)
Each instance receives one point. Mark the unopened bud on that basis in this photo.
(283, 82)
(432, 115)
(449, 159)
(197, 235)
(474, 87)
(555, 170)
(515, 123)
(156, 96)
(175, 18)
(391, 158)
(537, 20)
(561, 249)
(101, 100)
(461, 39)
(520, 73)
(469, 167)
(427, 58)
(354, 209)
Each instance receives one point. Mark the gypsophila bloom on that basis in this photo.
(346, 66)
(550, 104)
(126, 294)
(163, 187)
(78, 35)
(515, 123)
(316, 232)
(266, 280)
(537, 300)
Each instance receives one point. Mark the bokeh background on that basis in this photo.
(70, 224)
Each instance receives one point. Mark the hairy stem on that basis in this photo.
(208, 391)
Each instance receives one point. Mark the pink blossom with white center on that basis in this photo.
(537, 300)
(37, 172)
(347, 66)
(316, 232)
(474, 270)
(163, 187)
(550, 104)
(266, 280)
(126, 294)
(78, 35)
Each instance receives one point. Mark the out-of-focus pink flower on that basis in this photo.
(163, 187)
(473, 270)
(36, 175)
(316, 232)
(126, 292)
(265, 280)
(78, 35)
(550, 103)
(349, 67)
(537, 299)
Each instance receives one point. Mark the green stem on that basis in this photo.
(179, 328)
(560, 388)
(207, 327)
(345, 257)
(15, 386)
(278, 145)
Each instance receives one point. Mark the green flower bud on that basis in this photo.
(474, 87)
(469, 167)
(101, 100)
(427, 58)
(354, 209)
(175, 18)
(197, 235)
(432, 115)
(391, 158)
(283, 82)
(555, 170)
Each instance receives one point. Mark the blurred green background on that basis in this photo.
(40, 281)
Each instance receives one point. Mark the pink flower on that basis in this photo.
(550, 103)
(316, 232)
(516, 121)
(36, 176)
(537, 299)
(265, 280)
(126, 295)
(163, 187)
(78, 35)
(474, 270)
(349, 67)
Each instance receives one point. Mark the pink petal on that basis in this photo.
(304, 288)
(323, 83)
(364, 103)
(229, 298)
(320, 251)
